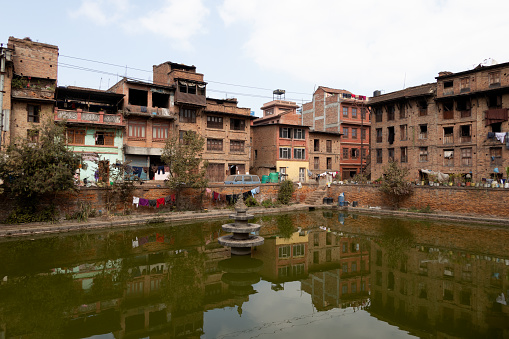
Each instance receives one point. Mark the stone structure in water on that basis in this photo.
(241, 240)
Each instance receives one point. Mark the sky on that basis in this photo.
(248, 48)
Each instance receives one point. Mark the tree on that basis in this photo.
(394, 184)
(184, 158)
(36, 169)
(284, 195)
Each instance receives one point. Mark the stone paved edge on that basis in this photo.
(177, 217)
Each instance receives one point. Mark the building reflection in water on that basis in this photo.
(425, 278)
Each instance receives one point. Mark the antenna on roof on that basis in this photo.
(404, 81)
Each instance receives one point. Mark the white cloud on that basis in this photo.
(368, 44)
(101, 12)
(177, 20)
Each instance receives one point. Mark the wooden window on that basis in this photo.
(345, 112)
(214, 144)
(214, 122)
(423, 154)
(496, 156)
(494, 78)
(390, 112)
(465, 133)
(404, 155)
(299, 153)
(379, 136)
(316, 145)
(187, 115)
(317, 163)
(448, 135)
(355, 153)
(76, 136)
(328, 146)
(378, 115)
(465, 84)
(403, 132)
(345, 132)
(298, 250)
(448, 110)
(137, 129)
(391, 154)
(363, 133)
(105, 138)
(423, 131)
(449, 157)
(354, 133)
(354, 112)
(379, 157)
(346, 153)
(160, 131)
(33, 113)
(237, 145)
(329, 164)
(423, 108)
(402, 111)
(237, 124)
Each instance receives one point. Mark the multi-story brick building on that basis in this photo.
(225, 126)
(340, 111)
(149, 111)
(324, 152)
(29, 85)
(280, 142)
(458, 125)
(403, 127)
(5, 92)
(95, 128)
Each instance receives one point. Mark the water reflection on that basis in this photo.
(316, 274)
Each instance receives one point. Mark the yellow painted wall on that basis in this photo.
(292, 169)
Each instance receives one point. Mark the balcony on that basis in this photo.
(465, 139)
(191, 99)
(148, 111)
(449, 114)
(448, 139)
(89, 117)
(33, 93)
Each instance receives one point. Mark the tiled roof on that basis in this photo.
(422, 90)
(333, 90)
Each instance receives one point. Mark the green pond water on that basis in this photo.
(318, 275)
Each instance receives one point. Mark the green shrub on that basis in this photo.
(267, 203)
(21, 215)
(286, 189)
(251, 202)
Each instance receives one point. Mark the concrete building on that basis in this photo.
(340, 111)
(95, 128)
(29, 82)
(280, 142)
(457, 125)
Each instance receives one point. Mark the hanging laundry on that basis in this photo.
(159, 237)
(167, 200)
(173, 198)
(152, 202)
(257, 189)
(137, 171)
(144, 202)
(136, 201)
(159, 169)
(253, 191)
(159, 202)
(500, 136)
(152, 238)
(143, 240)
(135, 243)
(216, 196)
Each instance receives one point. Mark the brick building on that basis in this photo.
(225, 126)
(340, 111)
(150, 115)
(324, 151)
(29, 86)
(403, 125)
(95, 127)
(280, 142)
(457, 125)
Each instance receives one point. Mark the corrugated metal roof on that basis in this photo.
(417, 91)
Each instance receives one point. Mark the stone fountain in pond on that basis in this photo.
(241, 240)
